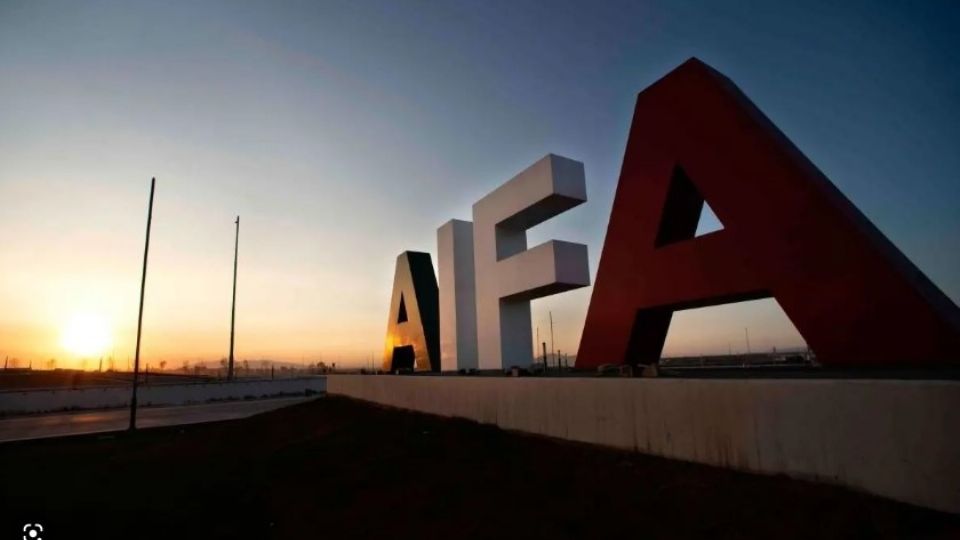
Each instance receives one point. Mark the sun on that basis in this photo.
(86, 335)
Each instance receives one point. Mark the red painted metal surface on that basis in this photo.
(788, 233)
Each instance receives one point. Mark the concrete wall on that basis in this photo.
(898, 439)
(104, 397)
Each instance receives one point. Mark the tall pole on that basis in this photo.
(143, 284)
(746, 334)
(233, 309)
(551, 340)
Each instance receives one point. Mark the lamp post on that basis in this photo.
(233, 308)
(143, 284)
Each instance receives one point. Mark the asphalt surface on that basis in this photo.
(78, 423)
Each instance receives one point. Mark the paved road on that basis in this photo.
(58, 425)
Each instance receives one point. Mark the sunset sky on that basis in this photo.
(344, 133)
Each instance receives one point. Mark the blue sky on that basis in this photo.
(346, 132)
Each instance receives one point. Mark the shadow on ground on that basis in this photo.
(335, 468)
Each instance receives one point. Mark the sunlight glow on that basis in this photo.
(86, 335)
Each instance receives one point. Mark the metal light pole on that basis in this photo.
(143, 284)
(233, 308)
(545, 367)
(551, 341)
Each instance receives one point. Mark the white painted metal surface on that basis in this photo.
(508, 275)
(458, 308)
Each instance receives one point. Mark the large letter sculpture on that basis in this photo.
(413, 325)
(508, 275)
(458, 308)
(788, 233)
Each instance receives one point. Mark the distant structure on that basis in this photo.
(788, 233)
(413, 325)
(508, 275)
(458, 297)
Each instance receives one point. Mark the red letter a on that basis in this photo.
(788, 233)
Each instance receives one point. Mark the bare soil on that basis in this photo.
(336, 468)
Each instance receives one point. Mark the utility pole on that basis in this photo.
(746, 333)
(545, 358)
(143, 284)
(551, 338)
(233, 309)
